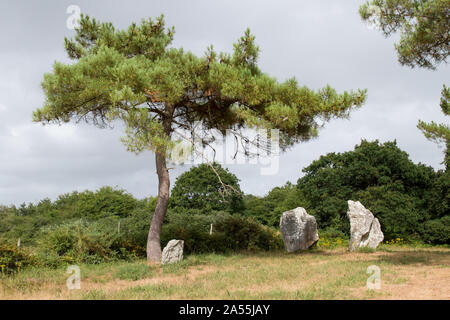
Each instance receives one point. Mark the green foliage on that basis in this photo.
(268, 210)
(381, 176)
(424, 42)
(134, 272)
(76, 242)
(440, 133)
(26, 221)
(12, 258)
(400, 214)
(423, 25)
(437, 231)
(439, 195)
(95, 205)
(411, 201)
(331, 238)
(161, 92)
(135, 76)
(194, 230)
(134, 231)
(246, 234)
(95, 241)
(230, 233)
(206, 189)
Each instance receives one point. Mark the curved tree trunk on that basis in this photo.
(154, 241)
(154, 234)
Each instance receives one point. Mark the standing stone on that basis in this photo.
(173, 252)
(298, 229)
(365, 229)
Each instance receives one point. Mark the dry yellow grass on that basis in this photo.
(406, 273)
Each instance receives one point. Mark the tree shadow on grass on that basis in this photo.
(422, 257)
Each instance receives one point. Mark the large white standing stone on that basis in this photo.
(173, 252)
(298, 229)
(365, 229)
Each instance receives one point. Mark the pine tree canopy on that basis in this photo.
(440, 132)
(423, 24)
(424, 42)
(136, 76)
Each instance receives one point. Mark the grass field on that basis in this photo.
(406, 273)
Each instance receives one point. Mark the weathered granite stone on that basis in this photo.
(298, 229)
(173, 252)
(365, 229)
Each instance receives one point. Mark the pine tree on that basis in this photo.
(424, 42)
(423, 26)
(440, 132)
(158, 91)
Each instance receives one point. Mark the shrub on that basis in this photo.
(106, 201)
(200, 189)
(395, 242)
(230, 233)
(437, 231)
(247, 234)
(12, 258)
(268, 210)
(399, 213)
(332, 238)
(380, 175)
(194, 230)
(134, 231)
(78, 241)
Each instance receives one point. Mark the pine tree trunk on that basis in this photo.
(154, 240)
(154, 234)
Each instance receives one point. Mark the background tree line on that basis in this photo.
(412, 202)
(116, 71)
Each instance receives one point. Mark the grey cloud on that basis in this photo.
(318, 42)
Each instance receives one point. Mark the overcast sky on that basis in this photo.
(319, 42)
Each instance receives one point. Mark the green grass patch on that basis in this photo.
(134, 272)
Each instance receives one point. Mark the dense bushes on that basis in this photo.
(246, 234)
(437, 231)
(401, 194)
(230, 233)
(26, 221)
(438, 197)
(94, 205)
(268, 210)
(400, 214)
(407, 198)
(103, 240)
(381, 176)
(12, 258)
(78, 242)
(412, 202)
(193, 229)
(201, 190)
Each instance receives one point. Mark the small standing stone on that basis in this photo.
(173, 252)
(298, 229)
